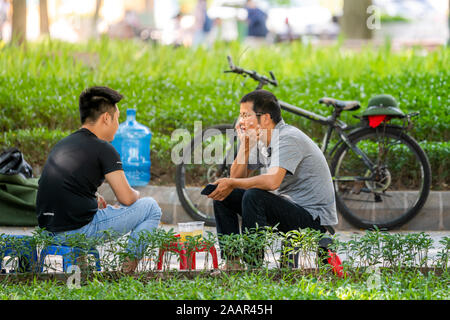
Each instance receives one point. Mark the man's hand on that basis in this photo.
(223, 190)
(247, 137)
(101, 201)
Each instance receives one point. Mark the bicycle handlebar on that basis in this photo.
(263, 80)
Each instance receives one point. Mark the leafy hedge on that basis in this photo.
(172, 88)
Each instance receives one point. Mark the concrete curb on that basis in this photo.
(435, 215)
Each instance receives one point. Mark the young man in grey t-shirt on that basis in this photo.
(294, 190)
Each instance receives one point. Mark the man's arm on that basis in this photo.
(239, 168)
(269, 181)
(119, 184)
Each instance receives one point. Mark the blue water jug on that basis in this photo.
(132, 141)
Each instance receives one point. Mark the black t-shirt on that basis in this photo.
(75, 168)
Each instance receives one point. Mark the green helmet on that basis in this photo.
(383, 104)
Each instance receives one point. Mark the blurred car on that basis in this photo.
(408, 9)
(299, 18)
(302, 17)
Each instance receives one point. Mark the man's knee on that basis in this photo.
(218, 207)
(217, 203)
(150, 206)
(253, 194)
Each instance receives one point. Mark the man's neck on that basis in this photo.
(268, 136)
(94, 130)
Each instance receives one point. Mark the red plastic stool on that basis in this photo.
(203, 248)
(186, 263)
(173, 247)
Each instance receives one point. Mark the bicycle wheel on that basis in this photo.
(394, 192)
(209, 157)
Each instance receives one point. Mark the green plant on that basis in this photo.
(443, 254)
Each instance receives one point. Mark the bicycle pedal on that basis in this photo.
(378, 198)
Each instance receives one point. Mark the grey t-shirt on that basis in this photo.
(308, 179)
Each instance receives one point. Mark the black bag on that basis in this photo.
(12, 163)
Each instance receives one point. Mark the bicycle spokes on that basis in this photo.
(209, 157)
(388, 189)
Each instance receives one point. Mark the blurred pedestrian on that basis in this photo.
(257, 29)
(178, 30)
(131, 19)
(216, 33)
(202, 24)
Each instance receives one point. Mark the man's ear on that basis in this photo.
(267, 120)
(105, 118)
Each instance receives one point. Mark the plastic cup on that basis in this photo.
(190, 229)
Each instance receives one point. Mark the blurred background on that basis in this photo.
(195, 22)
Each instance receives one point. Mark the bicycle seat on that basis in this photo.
(343, 105)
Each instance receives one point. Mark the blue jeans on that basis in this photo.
(143, 215)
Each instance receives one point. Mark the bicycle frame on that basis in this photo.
(333, 123)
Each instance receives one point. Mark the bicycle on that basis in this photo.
(381, 175)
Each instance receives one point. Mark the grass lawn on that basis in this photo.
(243, 286)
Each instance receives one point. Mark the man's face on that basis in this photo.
(247, 117)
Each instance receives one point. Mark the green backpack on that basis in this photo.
(18, 200)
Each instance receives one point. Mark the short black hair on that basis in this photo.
(95, 101)
(264, 102)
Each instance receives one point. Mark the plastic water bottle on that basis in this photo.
(132, 141)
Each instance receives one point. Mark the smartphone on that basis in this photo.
(209, 189)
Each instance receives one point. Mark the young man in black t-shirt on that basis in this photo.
(67, 200)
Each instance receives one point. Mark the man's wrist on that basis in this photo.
(233, 182)
(246, 149)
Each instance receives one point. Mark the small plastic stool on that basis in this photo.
(69, 255)
(186, 263)
(203, 248)
(173, 247)
(27, 259)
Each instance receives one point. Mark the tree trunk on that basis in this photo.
(98, 5)
(354, 23)
(43, 15)
(19, 21)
